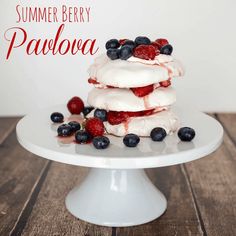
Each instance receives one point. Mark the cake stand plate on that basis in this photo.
(117, 191)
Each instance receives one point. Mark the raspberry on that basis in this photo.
(142, 91)
(145, 52)
(165, 83)
(75, 105)
(94, 127)
(122, 41)
(157, 47)
(162, 42)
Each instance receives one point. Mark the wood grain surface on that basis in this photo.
(201, 194)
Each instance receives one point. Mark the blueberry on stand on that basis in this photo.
(87, 110)
(186, 134)
(64, 130)
(82, 136)
(101, 142)
(126, 52)
(142, 40)
(57, 117)
(101, 114)
(113, 54)
(158, 134)
(112, 44)
(131, 140)
(167, 49)
(74, 125)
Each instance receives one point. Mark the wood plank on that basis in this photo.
(49, 216)
(20, 172)
(214, 185)
(7, 125)
(181, 217)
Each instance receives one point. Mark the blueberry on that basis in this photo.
(130, 43)
(57, 117)
(113, 54)
(101, 142)
(186, 134)
(126, 52)
(87, 110)
(112, 43)
(158, 134)
(101, 114)
(64, 130)
(74, 125)
(82, 136)
(142, 40)
(166, 49)
(131, 140)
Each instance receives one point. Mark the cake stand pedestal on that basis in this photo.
(117, 191)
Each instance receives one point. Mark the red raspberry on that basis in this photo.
(142, 91)
(75, 105)
(162, 42)
(95, 127)
(157, 47)
(122, 41)
(92, 81)
(165, 83)
(145, 52)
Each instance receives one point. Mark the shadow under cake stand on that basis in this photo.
(117, 191)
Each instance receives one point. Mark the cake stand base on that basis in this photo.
(116, 197)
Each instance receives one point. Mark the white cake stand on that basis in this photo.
(117, 192)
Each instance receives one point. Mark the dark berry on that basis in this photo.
(74, 125)
(186, 134)
(113, 54)
(158, 134)
(101, 114)
(57, 117)
(167, 49)
(142, 40)
(125, 52)
(131, 140)
(130, 43)
(64, 130)
(82, 136)
(112, 43)
(101, 142)
(87, 110)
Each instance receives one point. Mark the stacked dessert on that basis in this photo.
(132, 86)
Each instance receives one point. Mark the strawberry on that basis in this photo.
(95, 127)
(162, 42)
(75, 105)
(143, 91)
(165, 83)
(145, 52)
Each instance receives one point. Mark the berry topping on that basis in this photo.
(131, 140)
(157, 47)
(142, 40)
(165, 83)
(130, 43)
(101, 114)
(75, 105)
(122, 41)
(158, 134)
(101, 142)
(82, 136)
(113, 54)
(87, 110)
(95, 127)
(186, 134)
(74, 125)
(143, 91)
(112, 44)
(64, 130)
(57, 117)
(92, 81)
(145, 52)
(167, 49)
(162, 42)
(125, 52)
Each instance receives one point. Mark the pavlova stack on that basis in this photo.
(132, 86)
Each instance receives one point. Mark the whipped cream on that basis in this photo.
(134, 72)
(115, 99)
(142, 126)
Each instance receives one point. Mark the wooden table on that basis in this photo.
(201, 194)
